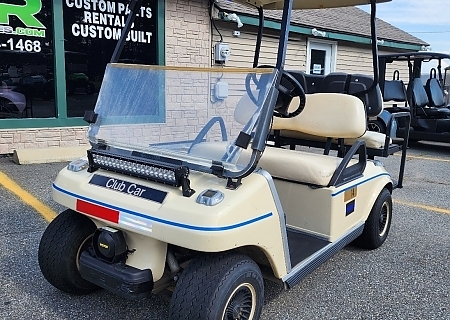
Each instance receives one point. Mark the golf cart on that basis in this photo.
(181, 188)
(426, 102)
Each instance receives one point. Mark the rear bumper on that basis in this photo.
(119, 278)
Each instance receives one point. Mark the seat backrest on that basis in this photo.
(373, 100)
(419, 95)
(334, 82)
(394, 90)
(435, 93)
(353, 84)
(313, 82)
(329, 115)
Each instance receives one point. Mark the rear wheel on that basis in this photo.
(223, 287)
(60, 248)
(376, 126)
(378, 223)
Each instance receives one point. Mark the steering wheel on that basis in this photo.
(288, 89)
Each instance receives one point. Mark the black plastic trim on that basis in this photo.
(330, 250)
(125, 281)
(343, 173)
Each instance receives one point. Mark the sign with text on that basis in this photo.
(92, 29)
(25, 25)
(105, 20)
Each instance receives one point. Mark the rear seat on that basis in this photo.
(378, 144)
(434, 91)
(348, 84)
(421, 103)
(326, 116)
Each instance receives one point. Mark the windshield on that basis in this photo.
(191, 114)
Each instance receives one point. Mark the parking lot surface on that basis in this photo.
(407, 278)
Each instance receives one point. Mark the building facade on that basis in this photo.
(53, 53)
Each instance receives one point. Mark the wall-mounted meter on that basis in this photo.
(222, 52)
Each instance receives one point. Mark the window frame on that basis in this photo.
(61, 119)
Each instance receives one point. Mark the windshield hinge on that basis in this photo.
(217, 168)
(182, 177)
(90, 116)
(233, 185)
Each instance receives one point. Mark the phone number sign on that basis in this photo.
(25, 27)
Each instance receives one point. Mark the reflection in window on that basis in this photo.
(92, 33)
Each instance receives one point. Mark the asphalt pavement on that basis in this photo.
(407, 278)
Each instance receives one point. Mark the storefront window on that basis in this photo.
(26, 59)
(91, 30)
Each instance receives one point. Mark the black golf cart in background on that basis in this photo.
(425, 100)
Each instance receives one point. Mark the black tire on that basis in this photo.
(60, 247)
(218, 287)
(376, 126)
(376, 228)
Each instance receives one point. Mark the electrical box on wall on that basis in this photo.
(221, 52)
(221, 90)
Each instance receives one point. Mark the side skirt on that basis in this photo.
(310, 263)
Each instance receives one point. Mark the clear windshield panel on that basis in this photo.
(191, 114)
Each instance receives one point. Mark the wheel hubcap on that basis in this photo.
(384, 219)
(373, 127)
(241, 304)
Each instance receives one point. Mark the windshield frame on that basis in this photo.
(256, 127)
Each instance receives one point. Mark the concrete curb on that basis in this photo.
(48, 155)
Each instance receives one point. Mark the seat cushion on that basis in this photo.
(373, 140)
(299, 166)
(281, 163)
(433, 112)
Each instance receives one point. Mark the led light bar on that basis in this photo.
(133, 166)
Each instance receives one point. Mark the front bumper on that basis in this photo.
(125, 281)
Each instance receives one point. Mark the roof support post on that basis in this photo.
(259, 38)
(134, 8)
(284, 36)
(373, 31)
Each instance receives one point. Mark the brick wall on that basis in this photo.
(188, 33)
(187, 37)
(11, 140)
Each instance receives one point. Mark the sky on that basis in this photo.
(428, 20)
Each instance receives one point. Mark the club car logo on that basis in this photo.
(26, 14)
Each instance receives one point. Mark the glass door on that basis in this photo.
(320, 60)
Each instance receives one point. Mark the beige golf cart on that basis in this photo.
(181, 187)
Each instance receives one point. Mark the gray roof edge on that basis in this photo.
(385, 30)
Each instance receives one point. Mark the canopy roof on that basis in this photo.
(425, 55)
(306, 4)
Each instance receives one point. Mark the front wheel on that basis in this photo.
(378, 223)
(219, 287)
(60, 248)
